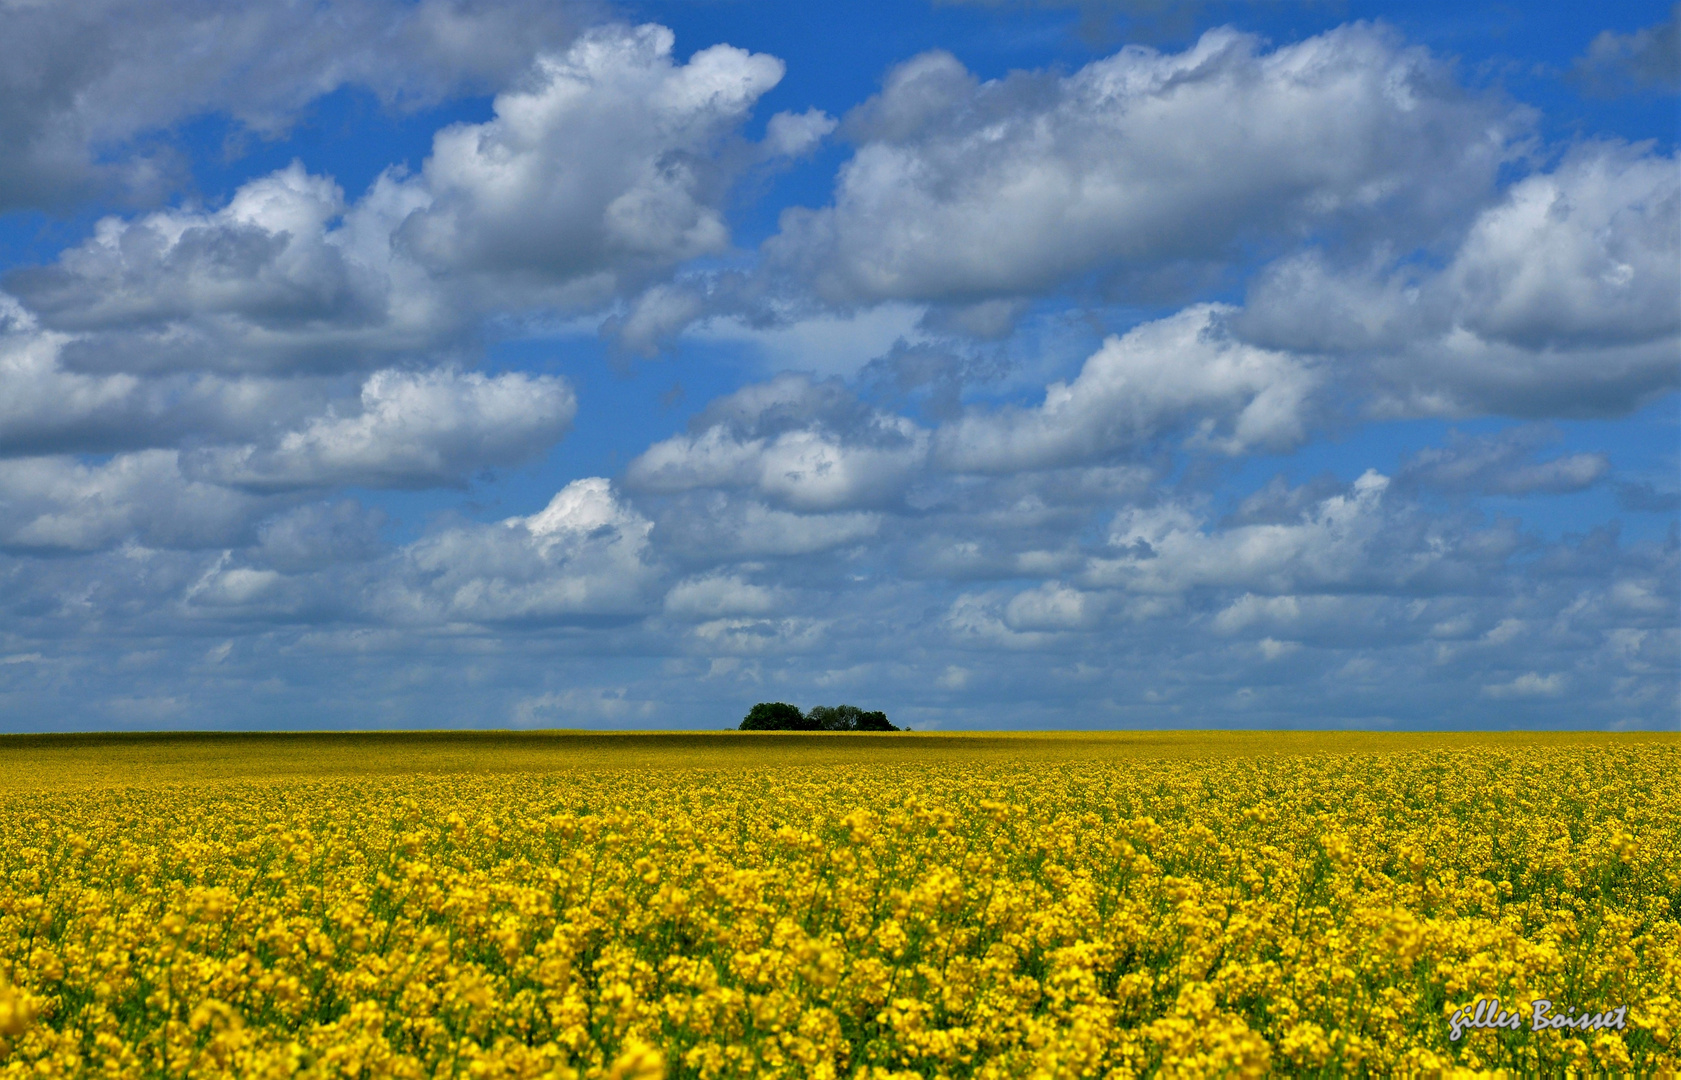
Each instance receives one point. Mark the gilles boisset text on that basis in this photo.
(1487, 1013)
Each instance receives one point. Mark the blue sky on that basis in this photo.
(1001, 363)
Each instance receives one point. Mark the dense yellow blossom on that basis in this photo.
(1183, 917)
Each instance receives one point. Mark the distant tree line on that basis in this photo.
(781, 716)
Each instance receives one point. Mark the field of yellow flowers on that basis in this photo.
(812, 906)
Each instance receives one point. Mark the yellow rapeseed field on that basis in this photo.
(812, 906)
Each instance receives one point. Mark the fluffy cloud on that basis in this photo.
(1329, 605)
(506, 215)
(584, 557)
(44, 406)
(1183, 371)
(319, 536)
(1053, 606)
(403, 429)
(706, 526)
(413, 430)
(1502, 465)
(1528, 685)
(1644, 497)
(515, 195)
(262, 255)
(968, 191)
(809, 446)
(758, 637)
(1647, 60)
(935, 378)
(84, 77)
(713, 596)
(1361, 600)
(1560, 300)
(609, 706)
(1353, 541)
(1589, 254)
(57, 504)
(284, 278)
(1049, 618)
(806, 470)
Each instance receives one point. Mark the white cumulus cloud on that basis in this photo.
(1352, 541)
(585, 555)
(285, 278)
(504, 216)
(1185, 370)
(1531, 684)
(1559, 301)
(412, 430)
(803, 445)
(61, 504)
(84, 77)
(516, 195)
(966, 190)
(715, 595)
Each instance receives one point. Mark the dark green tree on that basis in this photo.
(781, 716)
(847, 718)
(776, 716)
(835, 717)
(873, 721)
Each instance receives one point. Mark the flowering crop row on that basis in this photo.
(1279, 914)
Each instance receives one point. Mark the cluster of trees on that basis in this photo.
(781, 716)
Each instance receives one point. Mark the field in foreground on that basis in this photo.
(555, 905)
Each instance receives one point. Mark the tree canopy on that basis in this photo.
(775, 716)
(780, 716)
